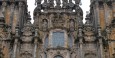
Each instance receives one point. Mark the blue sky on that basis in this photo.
(84, 6)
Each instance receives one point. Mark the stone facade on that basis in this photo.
(58, 30)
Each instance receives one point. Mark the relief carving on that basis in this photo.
(88, 32)
(58, 21)
(71, 24)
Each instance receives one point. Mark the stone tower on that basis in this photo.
(58, 30)
(103, 13)
(13, 13)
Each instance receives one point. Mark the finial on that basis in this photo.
(99, 31)
(28, 23)
(58, 3)
(51, 3)
(88, 20)
(29, 16)
(17, 31)
(36, 31)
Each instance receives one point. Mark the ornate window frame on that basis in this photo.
(58, 30)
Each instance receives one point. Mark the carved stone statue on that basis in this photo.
(51, 3)
(58, 2)
(78, 10)
(45, 24)
(72, 25)
(65, 3)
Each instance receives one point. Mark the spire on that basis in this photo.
(88, 20)
(28, 24)
(29, 19)
(27, 30)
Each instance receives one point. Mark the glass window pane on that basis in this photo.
(46, 42)
(70, 41)
(58, 39)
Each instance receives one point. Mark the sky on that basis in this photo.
(84, 5)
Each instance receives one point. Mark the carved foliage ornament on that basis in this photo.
(58, 21)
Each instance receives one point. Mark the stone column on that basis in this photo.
(12, 13)
(15, 44)
(100, 42)
(35, 47)
(20, 14)
(35, 43)
(80, 36)
(81, 47)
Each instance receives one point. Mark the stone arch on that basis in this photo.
(90, 55)
(58, 53)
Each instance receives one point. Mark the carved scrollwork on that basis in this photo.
(58, 21)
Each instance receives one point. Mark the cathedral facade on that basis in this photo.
(58, 30)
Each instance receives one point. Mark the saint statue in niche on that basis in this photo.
(45, 24)
(71, 25)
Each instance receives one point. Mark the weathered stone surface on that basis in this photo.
(60, 24)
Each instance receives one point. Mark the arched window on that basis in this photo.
(58, 56)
